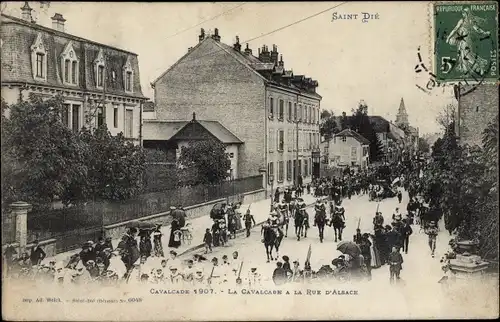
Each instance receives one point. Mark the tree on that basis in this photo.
(43, 160)
(40, 155)
(115, 167)
(446, 116)
(344, 121)
(328, 126)
(204, 162)
(423, 145)
(360, 122)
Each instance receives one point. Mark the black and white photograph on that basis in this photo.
(249, 161)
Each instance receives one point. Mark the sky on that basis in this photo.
(351, 60)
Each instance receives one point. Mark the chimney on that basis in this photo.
(194, 117)
(189, 49)
(201, 37)
(248, 51)
(26, 12)
(281, 63)
(274, 55)
(216, 36)
(264, 55)
(237, 45)
(58, 22)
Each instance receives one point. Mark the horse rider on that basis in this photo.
(320, 218)
(284, 209)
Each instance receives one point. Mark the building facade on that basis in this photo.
(254, 97)
(476, 110)
(348, 149)
(171, 136)
(99, 83)
(411, 133)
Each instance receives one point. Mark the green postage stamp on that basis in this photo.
(466, 41)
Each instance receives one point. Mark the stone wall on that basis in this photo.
(477, 109)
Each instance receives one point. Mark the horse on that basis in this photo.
(320, 221)
(338, 225)
(301, 223)
(272, 239)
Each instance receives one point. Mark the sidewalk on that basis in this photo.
(259, 210)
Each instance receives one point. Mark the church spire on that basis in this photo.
(402, 116)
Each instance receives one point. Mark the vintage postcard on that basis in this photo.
(249, 161)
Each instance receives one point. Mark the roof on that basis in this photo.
(161, 130)
(57, 32)
(18, 37)
(250, 61)
(380, 124)
(356, 135)
(166, 130)
(220, 132)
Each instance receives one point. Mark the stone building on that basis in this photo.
(476, 110)
(254, 97)
(99, 83)
(411, 133)
(348, 149)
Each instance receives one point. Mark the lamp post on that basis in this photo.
(271, 177)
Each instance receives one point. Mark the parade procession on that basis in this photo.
(164, 158)
(140, 258)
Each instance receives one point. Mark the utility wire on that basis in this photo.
(266, 34)
(209, 19)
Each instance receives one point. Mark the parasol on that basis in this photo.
(350, 248)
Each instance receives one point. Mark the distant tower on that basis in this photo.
(402, 116)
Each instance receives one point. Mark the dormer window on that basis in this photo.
(70, 65)
(39, 59)
(128, 76)
(99, 70)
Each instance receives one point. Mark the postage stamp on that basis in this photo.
(466, 41)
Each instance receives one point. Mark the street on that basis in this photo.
(418, 267)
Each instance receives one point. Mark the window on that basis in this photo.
(100, 117)
(289, 170)
(300, 112)
(289, 116)
(354, 152)
(270, 172)
(271, 108)
(477, 108)
(39, 65)
(310, 116)
(39, 59)
(129, 123)
(69, 61)
(281, 140)
(66, 70)
(270, 140)
(344, 139)
(305, 168)
(231, 155)
(310, 141)
(100, 76)
(294, 169)
(280, 171)
(65, 114)
(295, 111)
(281, 110)
(99, 69)
(310, 167)
(115, 117)
(128, 86)
(299, 167)
(113, 76)
(289, 139)
(304, 117)
(365, 151)
(128, 76)
(75, 123)
(74, 70)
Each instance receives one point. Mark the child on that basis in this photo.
(187, 236)
(207, 239)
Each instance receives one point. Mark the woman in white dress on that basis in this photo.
(375, 262)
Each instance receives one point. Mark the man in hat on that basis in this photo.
(432, 232)
(378, 220)
(248, 219)
(188, 272)
(175, 277)
(254, 278)
(88, 252)
(199, 277)
(37, 254)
